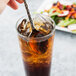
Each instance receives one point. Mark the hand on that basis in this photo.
(13, 4)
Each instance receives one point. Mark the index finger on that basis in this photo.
(20, 1)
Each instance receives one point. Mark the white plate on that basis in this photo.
(47, 5)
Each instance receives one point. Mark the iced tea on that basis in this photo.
(36, 50)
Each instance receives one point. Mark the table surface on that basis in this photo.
(64, 52)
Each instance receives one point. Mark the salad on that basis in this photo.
(63, 15)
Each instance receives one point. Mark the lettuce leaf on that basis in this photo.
(54, 14)
(51, 11)
(74, 31)
(57, 19)
(66, 22)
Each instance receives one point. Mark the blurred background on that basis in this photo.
(64, 53)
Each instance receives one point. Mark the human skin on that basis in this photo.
(11, 3)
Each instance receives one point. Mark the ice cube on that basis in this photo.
(25, 28)
(43, 23)
(21, 26)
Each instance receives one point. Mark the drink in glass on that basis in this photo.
(36, 48)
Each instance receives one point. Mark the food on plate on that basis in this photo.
(63, 15)
(72, 28)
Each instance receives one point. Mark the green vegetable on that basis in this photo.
(74, 3)
(35, 12)
(54, 14)
(57, 19)
(42, 12)
(53, 17)
(74, 31)
(51, 11)
(64, 7)
(67, 22)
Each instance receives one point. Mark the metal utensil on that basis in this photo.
(30, 19)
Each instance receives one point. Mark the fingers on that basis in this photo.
(13, 4)
(20, 1)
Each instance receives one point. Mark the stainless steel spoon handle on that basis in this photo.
(28, 13)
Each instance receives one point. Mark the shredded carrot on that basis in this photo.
(46, 10)
(72, 9)
(66, 18)
(74, 5)
(58, 3)
(62, 26)
(74, 15)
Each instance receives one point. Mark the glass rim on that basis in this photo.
(28, 38)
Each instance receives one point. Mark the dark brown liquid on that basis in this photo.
(37, 55)
(37, 69)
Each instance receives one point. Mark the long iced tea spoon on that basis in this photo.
(30, 19)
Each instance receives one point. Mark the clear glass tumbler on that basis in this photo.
(36, 53)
